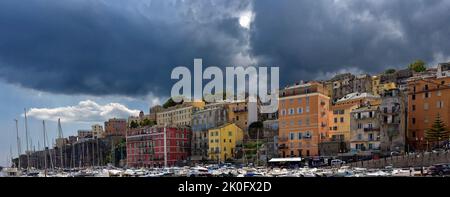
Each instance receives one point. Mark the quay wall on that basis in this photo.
(405, 161)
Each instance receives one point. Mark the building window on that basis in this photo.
(299, 100)
(307, 109)
(299, 110)
(308, 134)
(291, 101)
(413, 97)
(414, 107)
(292, 123)
(359, 125)
(229, 140)
(335, 120)
(440, 104)
(283, 112)
(307, 121)
(307, 100)
(439, 93)
(425, 106)
(342, 119)
(224, 141)
(229, 133)
(300, 135)
(360, 136)
(291, 111)
(300, 123)
(291, 135)
(413, 120)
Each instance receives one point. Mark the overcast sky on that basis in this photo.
(88, 60)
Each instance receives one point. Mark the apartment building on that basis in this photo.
(179, 115)
(303, 118)
(428, 97)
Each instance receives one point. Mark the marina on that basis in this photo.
(219, 171)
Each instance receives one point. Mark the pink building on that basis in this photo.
(145, 146)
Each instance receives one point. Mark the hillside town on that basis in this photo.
(356, 120)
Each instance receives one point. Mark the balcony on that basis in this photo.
(371, 129)
(240, 110)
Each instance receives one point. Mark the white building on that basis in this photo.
(97, 131)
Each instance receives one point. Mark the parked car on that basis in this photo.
(438, 150)
(395, 153)
(335, 162)
(439, 169)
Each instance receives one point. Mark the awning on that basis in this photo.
(291, 159)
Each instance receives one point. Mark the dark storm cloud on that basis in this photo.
(309, 38)
(130, 47)
(113, 47)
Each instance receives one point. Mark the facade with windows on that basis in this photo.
(179, 115)
(365, 130)
(145, 146)
(225, 142)
(339, 122)
(303, 118)
(428, 97)
(212, 116)
(393, 111)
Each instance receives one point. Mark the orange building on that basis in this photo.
(428, 96)
(303, 117)
(339, 120)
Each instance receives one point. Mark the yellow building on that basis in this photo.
(223, 141)
(179, 115)
(238, 114)
(376, 86)
(388, 86)
(340, 119)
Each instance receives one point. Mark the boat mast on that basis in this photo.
(45, 150)
(93, 152)
(11, 156)
(61, 138)
(49, 151)
(18, 143)
(26, 136)
(98, 154)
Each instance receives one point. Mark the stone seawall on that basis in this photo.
(404, 161)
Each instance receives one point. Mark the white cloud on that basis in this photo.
(329, 75)
(86, 111)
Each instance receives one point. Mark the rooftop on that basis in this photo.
(357, 95)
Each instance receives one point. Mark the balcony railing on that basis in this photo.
(371, 129)
(239, 110)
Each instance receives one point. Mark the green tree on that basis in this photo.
(438, 131)
(169, 103)
(134, 124)
(417, 66)
(254, 128)
(390, 71)
(147, 122)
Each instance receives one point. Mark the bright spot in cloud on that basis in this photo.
(84, 112)
(246, 19)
